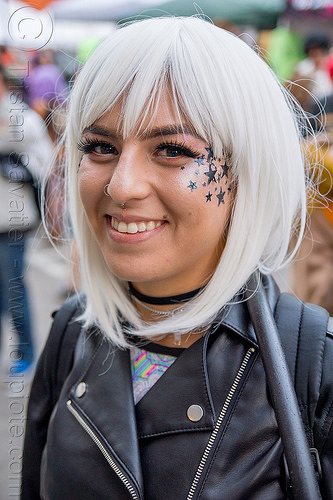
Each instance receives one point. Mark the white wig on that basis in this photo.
(234, 101)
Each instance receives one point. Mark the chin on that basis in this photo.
(139, 269)
(137, 275)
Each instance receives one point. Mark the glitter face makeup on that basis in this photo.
(177, 202)
(217, 173)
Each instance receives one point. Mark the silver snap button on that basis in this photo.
(195, 413)
(80, 390)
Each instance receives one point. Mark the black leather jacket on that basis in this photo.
(95, 444)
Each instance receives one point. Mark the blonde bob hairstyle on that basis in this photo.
(234, 101)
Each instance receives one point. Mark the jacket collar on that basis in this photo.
(236, 317)
(163, 409)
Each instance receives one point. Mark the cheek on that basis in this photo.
(91, 187)
(208, 179)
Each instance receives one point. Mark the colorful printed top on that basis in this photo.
(148, 365)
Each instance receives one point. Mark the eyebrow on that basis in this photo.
(172, 129)
(99, 130)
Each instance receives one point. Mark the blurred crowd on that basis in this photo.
(33, 94)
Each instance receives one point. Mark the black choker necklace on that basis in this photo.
(163, 301)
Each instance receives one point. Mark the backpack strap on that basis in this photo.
(324, 418)
(303, 328)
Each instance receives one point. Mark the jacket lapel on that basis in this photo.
(164, 409)
(107, 403)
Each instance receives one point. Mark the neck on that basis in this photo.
(163, 301)
(159, 309)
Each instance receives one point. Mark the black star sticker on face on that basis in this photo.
(219, 177)
(209, 154)
(182, 168)
(209, 196)
(211, 174)
(225, 169)
(193, 185)
(200, 161)
(220, 196)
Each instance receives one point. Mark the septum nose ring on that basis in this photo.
(107, 194)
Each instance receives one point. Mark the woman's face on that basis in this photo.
(168, 238)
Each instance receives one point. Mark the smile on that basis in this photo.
(134, 227)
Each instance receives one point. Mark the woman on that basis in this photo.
(185, 176)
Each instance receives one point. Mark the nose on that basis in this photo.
(130, 177)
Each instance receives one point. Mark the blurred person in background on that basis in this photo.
(311, 76)
(46, 90)
(25, 152)
(312, 270)
(185, 176)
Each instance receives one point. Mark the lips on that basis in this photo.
(134, 227)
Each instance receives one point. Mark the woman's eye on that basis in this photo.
(96, 147)
(174, 151)
(104, 149)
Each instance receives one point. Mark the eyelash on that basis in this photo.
(87, 146)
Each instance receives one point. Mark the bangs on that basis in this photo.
(138, 118)
(140, 78)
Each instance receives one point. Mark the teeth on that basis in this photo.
(122, 227)
(134, 227)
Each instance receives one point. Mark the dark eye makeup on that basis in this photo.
(175, 149)
(171, 149)
(90, 145)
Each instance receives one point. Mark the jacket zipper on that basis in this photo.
(102, 448)
(219, 421)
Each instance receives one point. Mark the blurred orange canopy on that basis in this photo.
(38, 4)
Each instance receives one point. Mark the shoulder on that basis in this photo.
(68, 314)
(73, 306)
(66, 325)
(56, 359)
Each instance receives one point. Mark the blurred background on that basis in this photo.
(43, 44)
